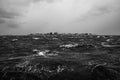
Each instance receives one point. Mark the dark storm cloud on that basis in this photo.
(7, 14)
(2, 21)
(98, 11)
(11, 9)
(13, 25)
(101, 11)
(105, 9)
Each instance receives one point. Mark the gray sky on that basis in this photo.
(67, 16)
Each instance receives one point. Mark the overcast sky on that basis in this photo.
(64, 16)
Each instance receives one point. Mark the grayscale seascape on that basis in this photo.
(59, 39)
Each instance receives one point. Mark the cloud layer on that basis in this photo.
(12, 9)
(59, 15)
